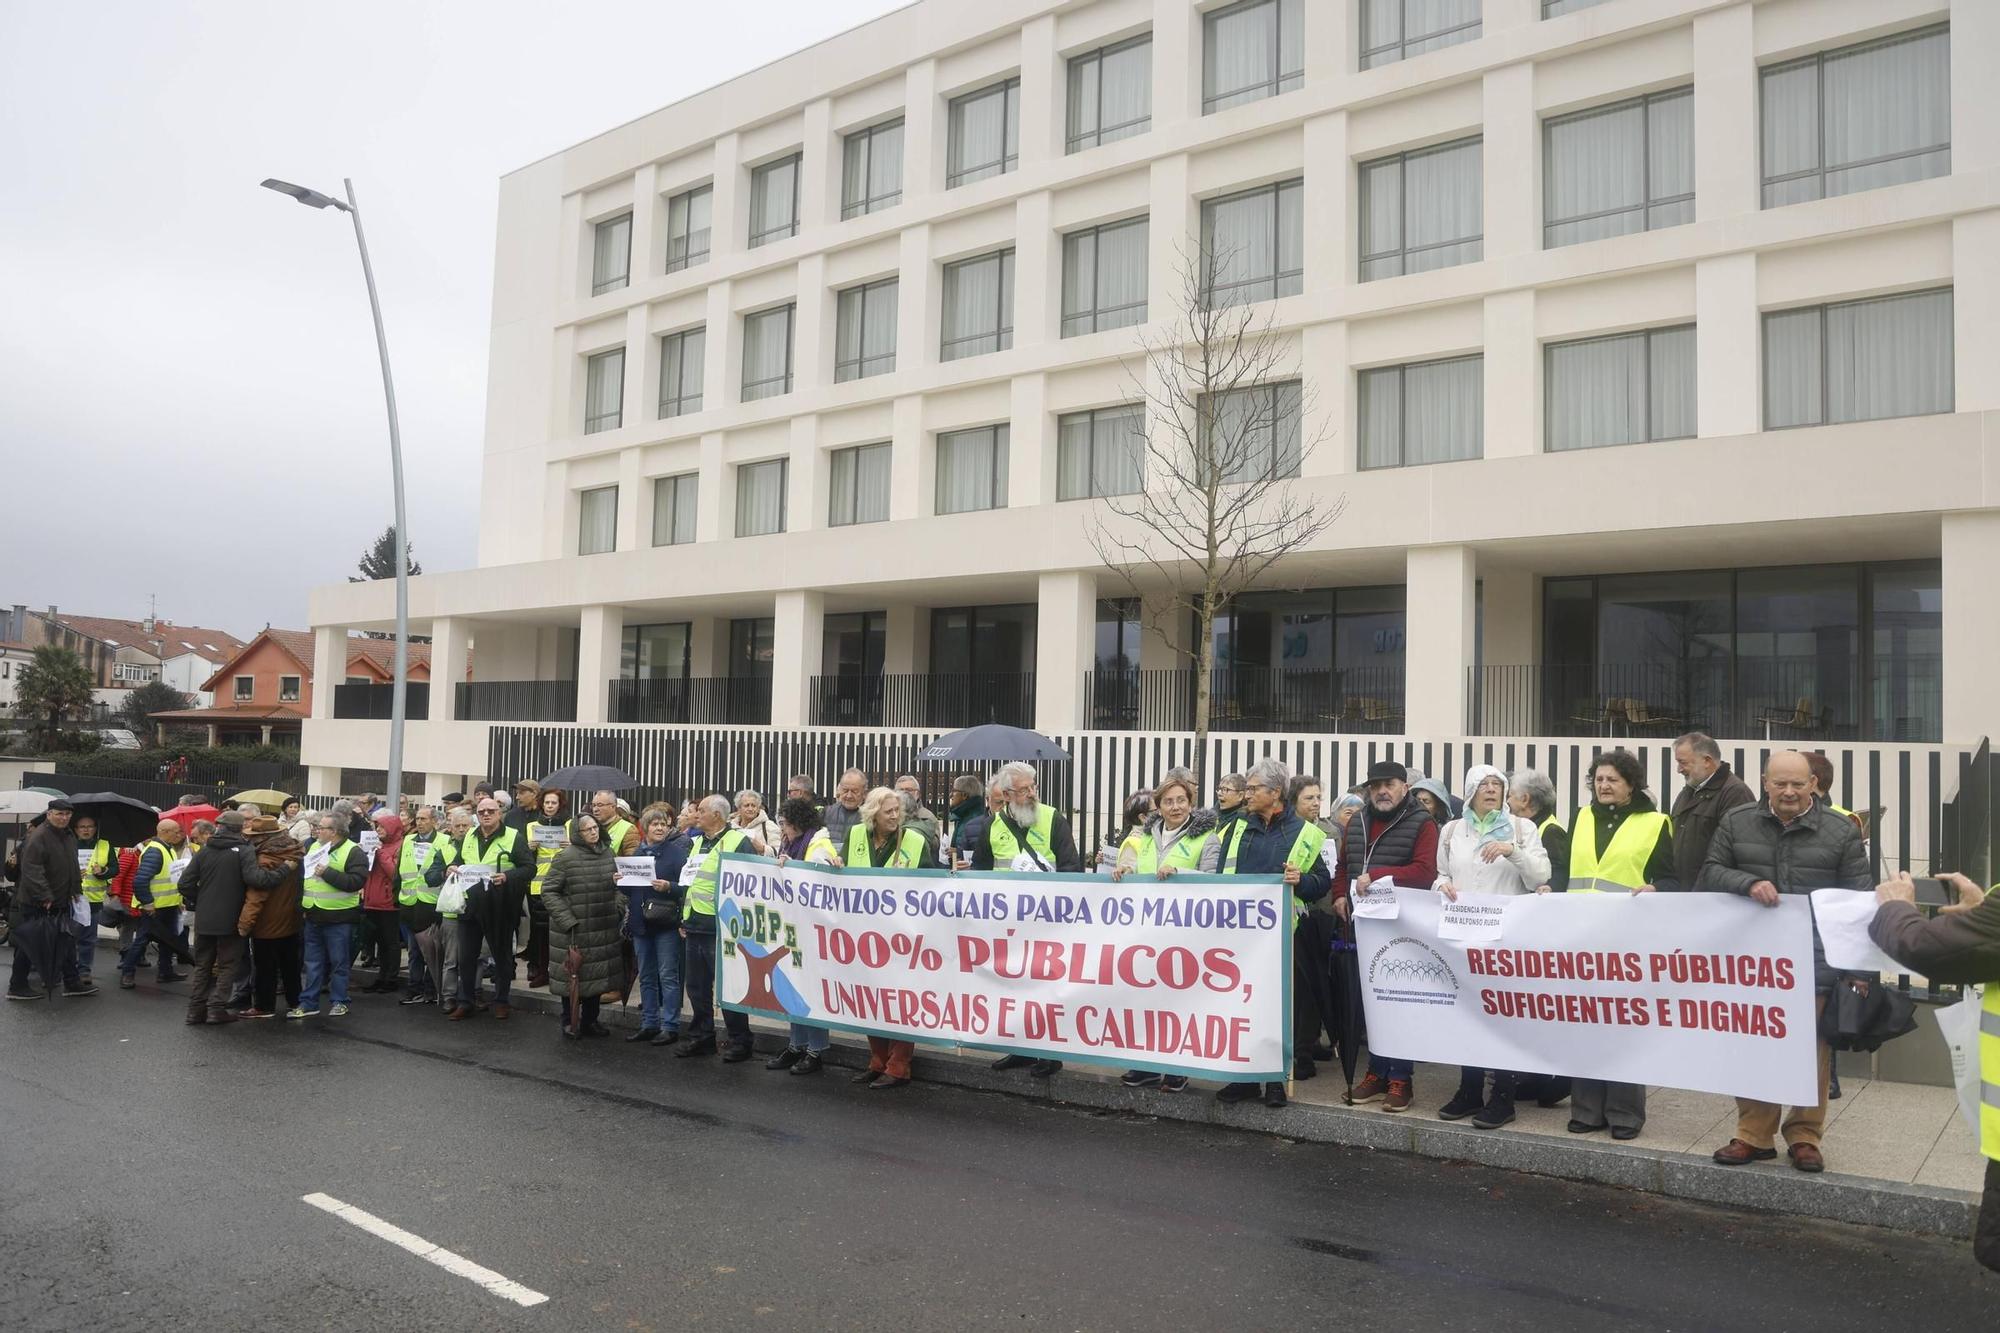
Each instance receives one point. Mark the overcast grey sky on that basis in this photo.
(190, 404)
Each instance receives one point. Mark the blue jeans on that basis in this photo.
(86, 940)
(161, 928)
(807, 1037)
(659, 980)
(1385, 1067)
(327, 947)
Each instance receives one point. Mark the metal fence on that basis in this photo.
(160, 795)
(515, 701)
(725, 700)
(1356, 701)
(942, 699)
(375, 703)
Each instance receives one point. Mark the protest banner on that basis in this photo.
(1188, 975)
(1709, 991)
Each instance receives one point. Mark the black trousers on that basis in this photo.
(279, 960)
(538, 939)
(698, 970)
(388, 944)
(214, 964)
(1986, 1237)
(500, 939)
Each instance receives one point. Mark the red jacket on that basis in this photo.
(379, 893)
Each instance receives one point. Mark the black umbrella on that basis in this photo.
(123, 820)
(1345, 1020)
(41, 934)
(992, 743)
(589, 777)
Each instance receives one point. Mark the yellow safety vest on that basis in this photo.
(165, 892)
(411, 888)
(97, 871)
(1547, 824)
(909, 851)
(701, 892)
(1305, 851)
(1623, 865)
(1183, 855)
(320, 896)
(1989, 1072)
(1040, 838)
(546, 856)
(819, 847)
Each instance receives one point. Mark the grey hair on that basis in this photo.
(756, 796)
(909, 804)
(1701, 743)
(1009, 772)
(203, 826)
(1273, 773)
(1535, 785)
(343, 810)
(249, 810)
(906, 777)
(996, 782)
(715, 805)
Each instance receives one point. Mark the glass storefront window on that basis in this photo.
(654, 652)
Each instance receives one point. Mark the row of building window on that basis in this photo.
(1861, 117)
(1849, 361)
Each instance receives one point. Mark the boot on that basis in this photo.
(1499, 1108)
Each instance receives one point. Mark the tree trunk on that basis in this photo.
(1204, 671)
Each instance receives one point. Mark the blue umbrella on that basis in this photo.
(992, 743)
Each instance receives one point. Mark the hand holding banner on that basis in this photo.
(1376, 900)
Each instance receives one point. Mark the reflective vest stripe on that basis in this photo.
(1989, 1072)
(411, 888)
(546, 857)
(1185, 854)
(1623, 865)
(819, 848)
(701, 893)
(320, 896)
(1040, 836)
(96, 875)
(165, 892)
(909, 850)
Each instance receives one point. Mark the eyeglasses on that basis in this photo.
(489, 809)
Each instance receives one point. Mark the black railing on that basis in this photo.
(515, 701)
(847, 701)
(946, 700)
(732, 700)
(1355, 700)
(374, 702)
(1768, 698)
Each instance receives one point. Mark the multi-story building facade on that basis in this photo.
(1647, 346)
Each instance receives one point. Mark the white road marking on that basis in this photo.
(451, 1263)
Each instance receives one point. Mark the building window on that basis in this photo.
(1625, 389)
(1422, 210)
(1253, 433)
(852, 644)
(1890, 356)
(985, 132)
(604, 392)
(288, 689)
(1110, 93)
(1617, 169)
(871, 169)
(1557, 8)
(1100, 453)
(774, 201)
(611, 266)
(1858, 118)
(245, 688)
(597, 521)
(673, 509)
(1253, 244)
(858, 489)
(753, 646)
(864, 335)
(972, 470)
(987, 642)
(683, 356)
(1251, 51)
(1425, 412)
(1104, 277)
(688, 227)
(978, 306)
(767, 353)
(760, 497)
(655, 652)
(1393, 30)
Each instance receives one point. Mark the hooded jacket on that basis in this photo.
(1523, 870)
(213, 882)
(273, 888)
(586, 909)
(378, 894)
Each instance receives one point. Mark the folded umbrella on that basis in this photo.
(1345, 1019)
(42, 934)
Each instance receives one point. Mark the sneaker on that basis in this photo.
(1367, 1090)
(784, 1059)
(1461, 1105)
(301, 1012)
(82, 987)
(1174, 1083)
(254, 1012)
(1399, 1095)
(24, 995)
(1141, 1078)
(126, 981)
(422, 997)
(84, 977)
(1494, 1114)
(1238, 1092)
(809, 1063)
(338, 1011)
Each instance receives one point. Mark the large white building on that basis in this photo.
(1650, 344)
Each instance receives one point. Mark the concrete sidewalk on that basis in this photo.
(1897, 1153)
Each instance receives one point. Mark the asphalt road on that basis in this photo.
(151, 1177)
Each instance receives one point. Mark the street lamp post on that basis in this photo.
(314, 199)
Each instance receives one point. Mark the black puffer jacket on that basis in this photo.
(586, 910)
(1818, 850)
(213, 882)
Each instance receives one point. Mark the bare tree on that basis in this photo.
(1220, 503)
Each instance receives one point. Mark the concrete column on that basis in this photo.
(1031, 471)
(566, 403)
(797, 637)
(600, 636)
(923, 140)
(329, 666)
(214, 735)
(918, 317)
(1164, 635)
(1037, 271)
(451, 640)
(730, 212)
(1725, 115)
(1513, 418)
(1512, 178)
(1330, 51)
(805, 477)
(573, 278)
(642, 372)
(902, 629)
(322, 780)
(1328, 427)
(1043, 85)
(911, 471)
(1177, 63)
(819, 169)
(722, 363)
(1510, 622)
(633, 513)
(812, 327)
(1329, 177)
(1975, 303)
(715, 493)
(649, 242)
(264, 734)
(1065, 647)
(436, 785)
(1971, 542)
(708, 647)
(1440, 641)
(1727, 353)
(1172, 234)
(1975, 135)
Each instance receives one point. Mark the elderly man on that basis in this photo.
(156, 898)
(420, 871)
(1271, 839)
(214, 883)
(50, 881)
(1393, 838)
(799, 787)
(1787, 843)
(97, 862)
(845, 808)
(334, 870)
(1026, 837)
(1712, 791)
(497, 865)
(700, 873)
(971, 830)
(919, 817)
(750, 817)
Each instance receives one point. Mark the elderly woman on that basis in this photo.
(1433, 797)
(1488, 850)
(802, 837)
(551, 813)
(1532, 796)
(1138, 810)
(585, 911)
(653, 922)
(1177, 838)
(879, 841)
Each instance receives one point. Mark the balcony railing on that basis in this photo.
(1362, 700)
(374, 702)
(516, 701)
(1773, 698)
(734, 700)
(925, 699)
